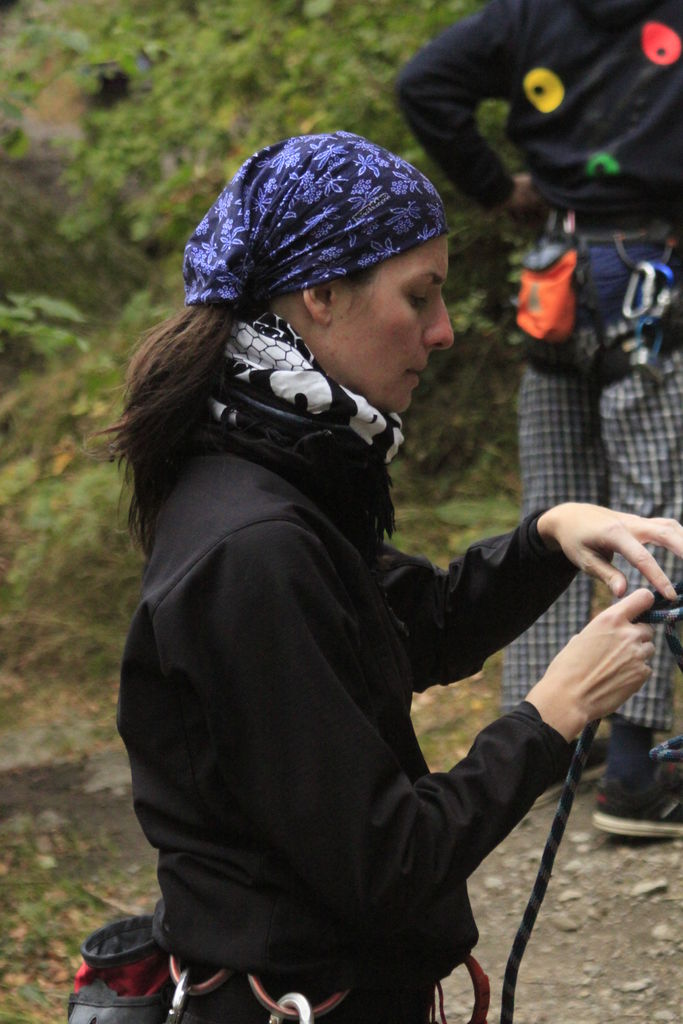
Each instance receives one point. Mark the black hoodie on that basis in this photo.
(616, 14)
(594, 90)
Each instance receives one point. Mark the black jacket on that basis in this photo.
(594, 90)
(265, 704)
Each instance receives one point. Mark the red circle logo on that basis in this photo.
(660, 43)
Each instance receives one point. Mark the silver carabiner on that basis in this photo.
(663, 295)
(182, 990)
(645, 357)
(646, 276)
(295, 1001)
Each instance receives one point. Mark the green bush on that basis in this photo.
(119, 125)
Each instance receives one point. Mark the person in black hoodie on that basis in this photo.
(267, 676)
(594, 90)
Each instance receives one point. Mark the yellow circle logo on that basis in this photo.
(544, 89)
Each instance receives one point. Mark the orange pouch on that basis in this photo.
(546, 306)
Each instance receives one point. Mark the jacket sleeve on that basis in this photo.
(267, 632)
(440, 89)
(456, 618)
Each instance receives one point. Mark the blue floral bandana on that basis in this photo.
(306, 210)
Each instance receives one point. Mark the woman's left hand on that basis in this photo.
(590, 536)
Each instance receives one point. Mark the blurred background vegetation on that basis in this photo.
(119, 124)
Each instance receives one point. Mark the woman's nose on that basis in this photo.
(440, 333)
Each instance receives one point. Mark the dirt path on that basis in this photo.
(607, 945)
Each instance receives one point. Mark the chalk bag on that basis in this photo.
(546, 304)
(124, 977)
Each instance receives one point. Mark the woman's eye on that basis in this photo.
(418, 301)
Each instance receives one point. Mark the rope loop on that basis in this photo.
(666, 611)
(669, 750)
(670, 613)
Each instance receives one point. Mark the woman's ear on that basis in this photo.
(319, 301)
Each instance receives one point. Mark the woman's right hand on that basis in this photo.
(600, 668)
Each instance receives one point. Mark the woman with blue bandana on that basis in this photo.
(268, 672)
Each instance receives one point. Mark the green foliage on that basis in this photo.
(207, 85)
(119, 124)
(68, 588)
(30, 319)
(96, 276)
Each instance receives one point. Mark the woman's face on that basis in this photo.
(381, 333)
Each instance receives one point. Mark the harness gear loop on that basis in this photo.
(282, 1013)
(201, 988)
(482, 994)
(482, 991)
(620, 237)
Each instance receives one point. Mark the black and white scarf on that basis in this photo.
(276, 400)
(274, 361)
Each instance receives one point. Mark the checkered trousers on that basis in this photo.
(621, 446)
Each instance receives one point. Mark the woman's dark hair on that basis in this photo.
(168, 384)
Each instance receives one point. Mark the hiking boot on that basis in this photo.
(655, 812)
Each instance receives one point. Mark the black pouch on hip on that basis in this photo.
(124, 977)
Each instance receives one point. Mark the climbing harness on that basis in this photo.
(639, 332)
(295, 1007)
(662, 611)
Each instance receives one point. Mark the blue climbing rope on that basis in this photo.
(545, 869)
(670, 613)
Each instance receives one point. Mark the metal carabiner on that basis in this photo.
(649, 334)
(646, 356)
(665, 270)
(663, 295)
(182, 990)
(295, 1001)
(644, 275)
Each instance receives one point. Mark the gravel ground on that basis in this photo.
(607, 945)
